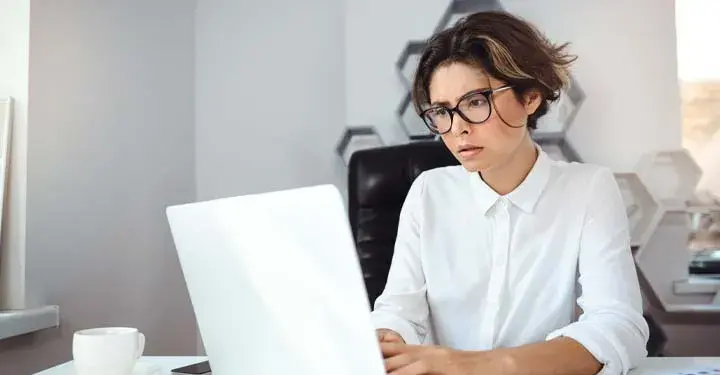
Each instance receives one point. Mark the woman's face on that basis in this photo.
(491, 144)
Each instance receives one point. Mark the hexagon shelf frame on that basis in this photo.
(413, 126)
(668, 246)
(671, 176)
(562, 113)
(557, 147)
(408, 62)
(662, 312)
(554, 124)
(462, 8)
(643, 212)
(357, 138)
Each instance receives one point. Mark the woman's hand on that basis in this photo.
(401, 359)
(388, 335)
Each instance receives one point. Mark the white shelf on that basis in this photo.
(356, 138)
(19, 322)
(697, 285)
(644, 213)
(671, 176)
(408, 62)
(557, 147)
(412, 124)
(561, 114)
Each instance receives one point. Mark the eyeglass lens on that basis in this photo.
(475, 108)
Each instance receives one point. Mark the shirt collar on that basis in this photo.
(525, 196)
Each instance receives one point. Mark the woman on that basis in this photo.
(488, 253)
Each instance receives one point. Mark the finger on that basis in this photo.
(390, 337)
(391, 349)
(414, 368)
(398, 361)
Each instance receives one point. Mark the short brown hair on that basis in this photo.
(505, 47)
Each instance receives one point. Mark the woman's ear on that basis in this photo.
(532, 101)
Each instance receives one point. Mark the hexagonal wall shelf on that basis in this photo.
(671, 176)
(557, 148)
(411, 123)
(357, 138)
(643, 212)
(562, 112)
(408, 62)
(462, 8)
(665, 256)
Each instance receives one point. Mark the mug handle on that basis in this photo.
(141, 345)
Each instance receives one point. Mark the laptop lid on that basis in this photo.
(276, 285)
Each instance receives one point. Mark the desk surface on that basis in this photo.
(166, 364)
(651, 366)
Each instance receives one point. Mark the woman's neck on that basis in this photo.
(509, 176)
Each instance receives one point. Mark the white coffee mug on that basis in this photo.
(107, 351)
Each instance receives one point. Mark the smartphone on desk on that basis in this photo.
(202, 368)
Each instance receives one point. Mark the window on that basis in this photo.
(699, 80)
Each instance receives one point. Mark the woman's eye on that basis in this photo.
(477, 102)
(439, 112)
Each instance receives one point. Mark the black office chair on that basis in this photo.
(378, 181)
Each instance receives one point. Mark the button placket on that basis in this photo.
(498, 272)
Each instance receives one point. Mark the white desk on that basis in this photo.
(675, 365)
(166, 364)
(651, 366)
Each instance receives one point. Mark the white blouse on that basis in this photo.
(474, 270)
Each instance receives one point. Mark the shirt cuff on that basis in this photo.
(390, 321)
(594, 342)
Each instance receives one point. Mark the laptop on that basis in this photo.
(276, 285)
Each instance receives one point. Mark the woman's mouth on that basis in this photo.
(469, 150)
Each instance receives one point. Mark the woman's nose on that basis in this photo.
(459, 125)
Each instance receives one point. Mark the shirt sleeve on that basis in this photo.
(612, 327)
(402, 306)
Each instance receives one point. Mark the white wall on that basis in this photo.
(14, 55)
(376, 31)
(110, 144)
(269, 103)
(629, 70)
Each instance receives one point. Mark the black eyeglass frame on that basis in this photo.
(487, 93)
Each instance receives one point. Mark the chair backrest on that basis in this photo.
(378, 182)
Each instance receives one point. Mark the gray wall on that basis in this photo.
(110, 144)
(269, 95)
(269, 105)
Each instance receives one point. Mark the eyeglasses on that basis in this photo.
(474, 107)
